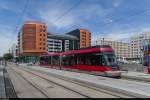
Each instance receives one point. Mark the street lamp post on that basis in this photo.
(103, 41)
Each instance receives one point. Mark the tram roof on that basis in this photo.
(97, 48)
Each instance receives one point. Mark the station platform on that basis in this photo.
(133, 88)
(137, 76)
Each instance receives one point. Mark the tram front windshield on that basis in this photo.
(110, 59)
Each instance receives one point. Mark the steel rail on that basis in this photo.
(78, 83)
(51, 82)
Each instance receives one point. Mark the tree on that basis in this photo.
(1, 58)
(8, 56)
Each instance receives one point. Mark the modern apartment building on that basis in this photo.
(84, 37)
(60, 43)
(76, 39)
(122, 50)
(137, 43)
(32, 38)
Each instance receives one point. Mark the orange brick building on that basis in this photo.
(32, 38)
(84, 37)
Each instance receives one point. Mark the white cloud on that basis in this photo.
(77, 16)
(119, 36)
(117, 3)
(11, 6)
(50, 18)
(4, 45)
(125, 35)
(109, 20)
(6, 39)
(145, 29)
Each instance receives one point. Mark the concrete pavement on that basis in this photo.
(2, 83)
(137, 76)
(133, 88)
(141, 76)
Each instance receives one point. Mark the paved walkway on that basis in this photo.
(137, 76)
(131, 75)
(137, 89)
(2, 83)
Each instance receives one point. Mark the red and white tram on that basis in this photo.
(99, 60)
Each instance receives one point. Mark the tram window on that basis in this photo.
(64, 60)
(72, 60)
(46, 60)
(96, 60)
(102, 61)
(81, 60)
(56, 60)
(88, 61)
(49, 60)
(69, 60)
(93, 62)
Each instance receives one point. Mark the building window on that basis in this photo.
(83, 33)
(40, 34)
(40, 39)
(40, 30)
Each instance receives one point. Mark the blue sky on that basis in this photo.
(117, 19)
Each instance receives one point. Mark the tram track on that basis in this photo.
(33, 85)
(43, 91)
(91, 88)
